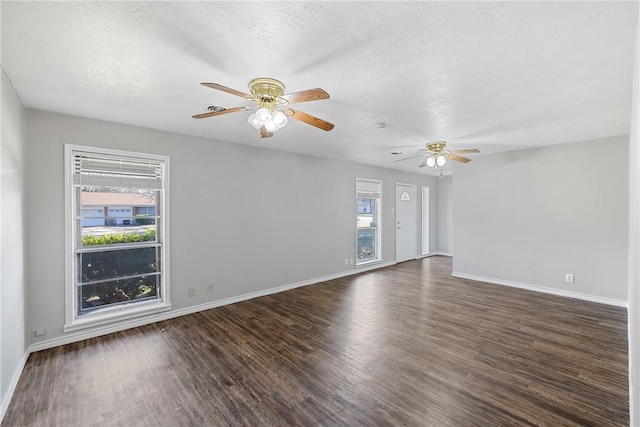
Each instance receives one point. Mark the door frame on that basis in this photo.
(425, 208)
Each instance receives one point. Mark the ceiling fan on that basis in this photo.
(436, 155)
(271, 108)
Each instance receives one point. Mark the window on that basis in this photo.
(146, 210)
(368, 220)
(116, 268)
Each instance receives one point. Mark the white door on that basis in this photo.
(405, 222)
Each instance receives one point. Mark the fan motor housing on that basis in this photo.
(436, 146)
(265, 87)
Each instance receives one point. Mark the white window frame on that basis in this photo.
(372, 187)
(74, 321)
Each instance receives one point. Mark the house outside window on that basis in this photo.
(368, 221)
(116, 235)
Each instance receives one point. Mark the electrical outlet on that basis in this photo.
(568, 278)
(346, 261)
(192, 292)
(351, 261)
(39, 332)
(210, 288)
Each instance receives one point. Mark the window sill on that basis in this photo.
(368, 263)
(116, 314)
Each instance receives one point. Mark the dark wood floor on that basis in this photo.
(404, 345)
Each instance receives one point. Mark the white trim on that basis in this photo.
(118, 313)
(13, 384)
(552, 291)
(133, 323)
(430, 254)
(69, 237)
(425, 199)
(367, 264)
(407, 184)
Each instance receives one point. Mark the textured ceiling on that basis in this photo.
(495, 76)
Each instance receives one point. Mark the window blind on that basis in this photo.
(116, 171)
(368, 188)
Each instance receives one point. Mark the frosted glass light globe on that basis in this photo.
(431, 161)
(253, 121)
(441, 160)
(270, 126)
(279, 118)
(263, 115)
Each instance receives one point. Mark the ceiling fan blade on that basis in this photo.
(264, 133)
(423, 164)
(457, 158)
(412, 157)
(306, 96)
(227, 89)
(219, 113)
(466, 150)
(309, 119)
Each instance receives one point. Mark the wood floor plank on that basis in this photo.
(404, 345)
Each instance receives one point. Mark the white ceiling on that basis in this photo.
(495, 76)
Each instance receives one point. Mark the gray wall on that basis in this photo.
(530, 216)
(242, 218)
(12, 277)
(445, 215)
(634, 242)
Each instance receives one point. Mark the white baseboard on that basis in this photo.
(12, 386)
(553, 291)
(133, 323)
(430, 254)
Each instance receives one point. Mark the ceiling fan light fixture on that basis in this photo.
(436, 156)
(269, 95)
